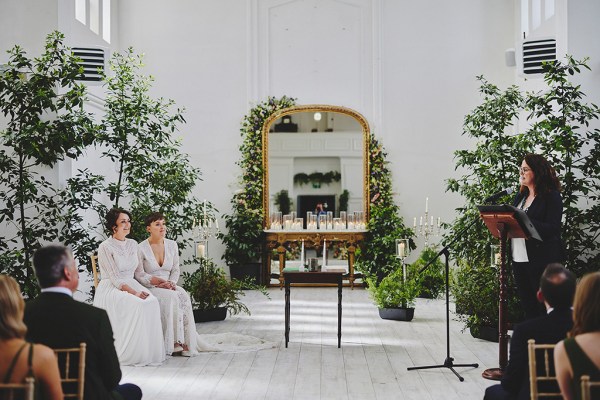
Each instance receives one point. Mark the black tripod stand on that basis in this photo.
(449, 361)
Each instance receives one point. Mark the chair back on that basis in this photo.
(71, 362)
(12, 391)
(95, 270)
(586, 387)
(542, 378)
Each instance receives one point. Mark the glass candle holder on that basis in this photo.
(322, 222)
(202, 249)
(337, 224)
(329, 220)
(402, 248)
(350, 221)
(312, 222)
(343, 215)
(297, 226)
(287, 222)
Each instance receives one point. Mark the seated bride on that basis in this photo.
(159, 258)
(132, 310)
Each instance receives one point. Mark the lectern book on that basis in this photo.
(497, 212)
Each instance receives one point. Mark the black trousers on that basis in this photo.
(527, 277)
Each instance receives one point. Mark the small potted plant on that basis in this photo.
(213, 294)
(394, 296)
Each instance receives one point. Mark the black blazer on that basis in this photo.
(547, 329)
(58, 321)
(545, 212)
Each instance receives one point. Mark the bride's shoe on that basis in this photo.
(177, 348)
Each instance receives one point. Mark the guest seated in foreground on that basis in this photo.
(18, 358)
(134, 313)
(55, 319)
(580, 353)
(557, 288)
(160, 259)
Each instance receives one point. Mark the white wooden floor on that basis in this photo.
(370, 365)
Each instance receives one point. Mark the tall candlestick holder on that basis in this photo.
(205, 227)
(427, 226)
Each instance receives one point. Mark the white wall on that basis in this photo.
(408, 66)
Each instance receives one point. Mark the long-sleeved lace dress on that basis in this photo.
(135, 322)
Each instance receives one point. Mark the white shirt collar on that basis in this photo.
(58, 289)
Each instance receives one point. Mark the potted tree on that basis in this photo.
(477, 298)
(213, 294)
(283, 201)
(394, 296)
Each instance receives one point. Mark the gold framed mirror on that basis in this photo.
(319, 154)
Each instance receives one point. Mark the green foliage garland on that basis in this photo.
(243, 239)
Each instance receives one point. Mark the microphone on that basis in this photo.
(496, 196)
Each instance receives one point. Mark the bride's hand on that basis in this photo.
(142, 295)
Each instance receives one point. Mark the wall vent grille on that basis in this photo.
(92, 62)
(535, 52)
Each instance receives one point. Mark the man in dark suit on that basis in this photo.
(557, 288)
(55, 319)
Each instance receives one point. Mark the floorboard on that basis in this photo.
(372, 363)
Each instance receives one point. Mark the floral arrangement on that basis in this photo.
(243, 239)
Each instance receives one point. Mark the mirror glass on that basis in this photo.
(318, 154)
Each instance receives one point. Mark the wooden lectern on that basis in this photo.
(505, 222)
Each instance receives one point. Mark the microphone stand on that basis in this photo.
(449, 361)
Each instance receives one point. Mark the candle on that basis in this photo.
(431, 221)
(426, 204)
(415, 222)
(201, 250)
(401, 253)
(421, 221)
(439, 222)
(324, 253)
(497, 259)
(216, 224)
(301, 269)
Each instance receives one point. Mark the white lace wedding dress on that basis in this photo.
(176, 314)
(135, 322)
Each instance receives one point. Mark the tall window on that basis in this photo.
(95, 14)
(534, 13)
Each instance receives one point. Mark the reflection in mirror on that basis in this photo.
(315, 160)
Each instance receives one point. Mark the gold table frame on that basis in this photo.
(314, 238)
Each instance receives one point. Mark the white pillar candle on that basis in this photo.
(415, 222)
(401, 249)
(201, 250)
(426, 204)
(439, 222)
(324, 254)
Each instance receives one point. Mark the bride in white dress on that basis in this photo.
(134, 313)
(159, 258)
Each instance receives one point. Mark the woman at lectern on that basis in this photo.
(539, 196)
